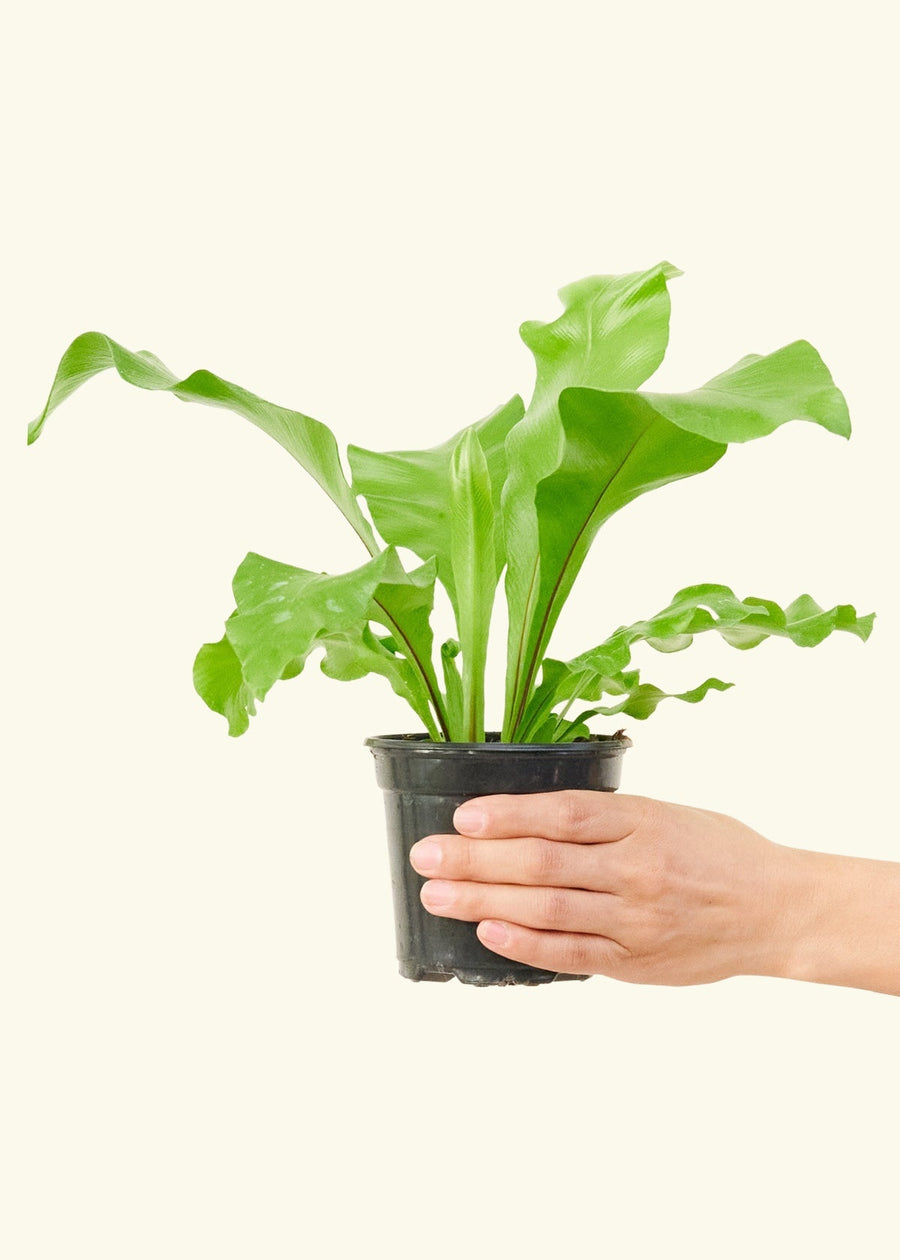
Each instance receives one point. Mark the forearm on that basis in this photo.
(840, 922)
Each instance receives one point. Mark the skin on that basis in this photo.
(641, 890)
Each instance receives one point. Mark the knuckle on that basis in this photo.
(627, 876)
(460, 857)
(543, 861)
(576, 956)
(556, 907)
(649, 818)
(574, 812)
(645, 880)
(456, 857)
(637, 968)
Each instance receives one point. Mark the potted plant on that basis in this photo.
(521, 493)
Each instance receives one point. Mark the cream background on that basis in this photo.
(350, 208)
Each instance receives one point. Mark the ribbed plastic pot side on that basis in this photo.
(423, 783)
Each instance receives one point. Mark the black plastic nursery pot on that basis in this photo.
(423, 783)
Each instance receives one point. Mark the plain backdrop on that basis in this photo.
(207, 1052)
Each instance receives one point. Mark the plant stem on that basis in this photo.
(425, 672)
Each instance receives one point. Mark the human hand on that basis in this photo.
(623, 886)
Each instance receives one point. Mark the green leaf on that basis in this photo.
(407, 598)
(474, 568)
(454, 687)
(742, 623)
(409, 493)
(557, 729)
(611, 335)
(562, 681)
(759, 394)
(522, 489)
(641, 699)
(219, 681)
(404, 602)
(309, 441)
(284, 613)
(281, 610)
(281, 613)
(617, 446)
(351, 654)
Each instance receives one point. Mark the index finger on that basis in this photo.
(579, 817)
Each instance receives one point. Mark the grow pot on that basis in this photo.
(423, 783)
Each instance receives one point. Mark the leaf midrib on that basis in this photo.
(562, 572)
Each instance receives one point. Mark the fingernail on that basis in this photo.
(469, 818)
(425, 856)
(492, 932)
(438, 894)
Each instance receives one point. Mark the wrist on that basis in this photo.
(838, 921)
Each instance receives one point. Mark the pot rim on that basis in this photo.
(423, 746)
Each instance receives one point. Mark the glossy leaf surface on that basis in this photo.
(403, 602)
(742, 623)
(453, 684)
(282, 615)
(611, 335)
(617, 446)
(410, 493)
(474, 569)
(309, 441)
(525, 489)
